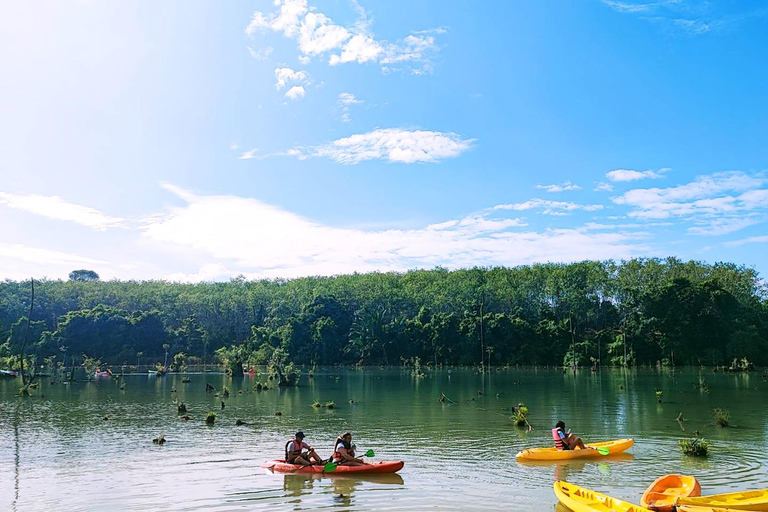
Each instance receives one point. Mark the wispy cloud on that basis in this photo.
(632, 7)
(316, 35)
(234, 235)
(559, 188)
(691, 17)
(261, 54)
(392, 145)
(630, 175)
(603, 187)
(762, 239)
(44, 256)
(549, 207)
(247, 155)
(55, 207)
(345, 100)
(717, 204)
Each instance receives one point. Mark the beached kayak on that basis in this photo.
(746, 500)
(580, 499)
(616, 446)
(694, 508)
(664, 492)
(374, 468)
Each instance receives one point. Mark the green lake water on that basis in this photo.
(57, 452)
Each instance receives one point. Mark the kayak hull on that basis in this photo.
(280, 466)
(615, 446)
(694, 508)
(579, 499)
(746, 500)
(663, 493)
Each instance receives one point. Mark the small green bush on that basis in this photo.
(721, 417)
(696, 447)
(210, 418)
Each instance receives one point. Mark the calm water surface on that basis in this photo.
(58, 452)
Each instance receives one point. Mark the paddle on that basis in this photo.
(331, 466)
(602, 450)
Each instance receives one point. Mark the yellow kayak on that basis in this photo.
(746, 500)
(616, 446)
(664, 492)
(694, 508)
(579, 499)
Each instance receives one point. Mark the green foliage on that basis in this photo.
(695, 447)
(210, 418)
(83, 275)
(638, 311)
(722, 417)
(520, 415)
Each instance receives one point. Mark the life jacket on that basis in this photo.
(559, 443)
(337, 458)
(295, 452)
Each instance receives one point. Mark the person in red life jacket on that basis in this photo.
(344, 451)
(565, 440)
(299, 452)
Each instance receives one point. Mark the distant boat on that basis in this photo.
(102, 375)
(157, 373)
(8, 374)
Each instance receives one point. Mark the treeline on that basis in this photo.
(641, 311)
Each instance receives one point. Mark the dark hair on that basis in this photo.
(300, 435)
(560, 424)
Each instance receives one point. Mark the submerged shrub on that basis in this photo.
(696, 447)
(721, 417)
(210, 418)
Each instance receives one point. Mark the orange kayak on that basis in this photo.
(663, 493)
(280, 466)
(552, 453)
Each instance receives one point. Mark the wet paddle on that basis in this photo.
(602, 450)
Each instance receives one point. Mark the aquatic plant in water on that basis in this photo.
(210, 418)
(696, 447)
(721, 417)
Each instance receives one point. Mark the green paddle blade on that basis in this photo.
(331, 466)
(370, 453)
(602, 450)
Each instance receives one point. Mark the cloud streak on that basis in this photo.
(242, 235)
(55, 207)
(630, 175)
(392, 145)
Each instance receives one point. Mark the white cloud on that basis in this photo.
(751, 240)
(44, 256)
(393, 145)
(262, 54)
(718, 203)
(247, 155)
(317, 34)
(236, 235)
(549, 207)
(603, 187)
(286, 75)
(629, 175)
(559, 188)
(347, 98)
(297, 91)
(55, 207)
(234, 146)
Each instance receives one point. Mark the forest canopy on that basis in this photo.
(641, 311)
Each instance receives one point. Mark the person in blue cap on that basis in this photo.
(299, 452)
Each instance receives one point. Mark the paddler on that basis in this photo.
(344, 451)
(299, 452)
(565, 440)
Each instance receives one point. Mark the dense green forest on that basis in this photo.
(637, 312)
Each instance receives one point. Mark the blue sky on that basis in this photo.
(198, 141)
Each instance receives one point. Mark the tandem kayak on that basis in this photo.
(746, 500)
(663, 493)
(280, 466)
(616, 446)
(579, 499)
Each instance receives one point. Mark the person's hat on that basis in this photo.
(300, 434)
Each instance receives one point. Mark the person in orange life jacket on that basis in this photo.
(344, 451)
(565, 440)
(299, 452)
